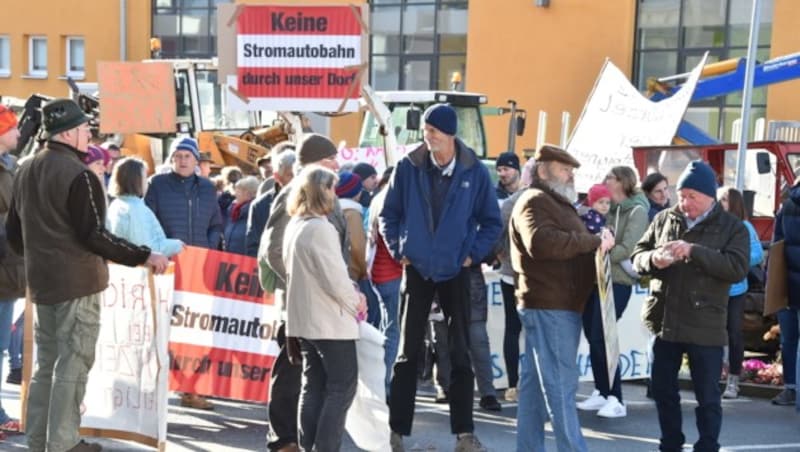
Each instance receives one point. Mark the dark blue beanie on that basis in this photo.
(508, 159)
(186, 144)
(443, 117)
(700, 177)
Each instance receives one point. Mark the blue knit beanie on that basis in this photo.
(700, 177)
(443, 117)
(349, 185)
(186, 144)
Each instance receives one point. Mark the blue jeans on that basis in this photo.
(15, 344)
(593, 329)
(6, 316)
(549, 380)
(788, 320)
(390, 298)
(330, 377)
(705, 363)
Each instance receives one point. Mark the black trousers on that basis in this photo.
(284, 393)
(416, 297)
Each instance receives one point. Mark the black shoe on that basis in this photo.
(14, 376)
(83, 446)
(490, 403)
(441, 396)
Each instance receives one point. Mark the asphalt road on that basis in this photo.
(749, 425)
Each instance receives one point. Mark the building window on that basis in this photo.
(671, 37)
(37, 56)
(76, 66)
(5, 56)
(417, 44)
(187, 28)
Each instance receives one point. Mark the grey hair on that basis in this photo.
(285, 160)
(249, 184)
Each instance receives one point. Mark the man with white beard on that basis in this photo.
(552, 254)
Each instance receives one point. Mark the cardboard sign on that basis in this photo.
(221, 327)
(136, 97)
(301, 58)
(617, 117)
(777, 290)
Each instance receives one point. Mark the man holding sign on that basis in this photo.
(693, 252)
(553, 256)
(57, 222)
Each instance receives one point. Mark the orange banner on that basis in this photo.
(222, 327)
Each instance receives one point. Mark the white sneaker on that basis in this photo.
(593, 403)
(511, 395)
(613, 408)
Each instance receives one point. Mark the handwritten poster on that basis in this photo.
(136, 97)
(617, 117)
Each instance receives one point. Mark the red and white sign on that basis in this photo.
(222, 327)
(300, 58)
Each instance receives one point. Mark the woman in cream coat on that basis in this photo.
(322, 308)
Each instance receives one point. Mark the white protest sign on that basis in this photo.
(617, 117)
(373, 155)
(633, 337)
(126, 393)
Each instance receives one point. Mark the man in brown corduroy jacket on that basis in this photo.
(553, 255)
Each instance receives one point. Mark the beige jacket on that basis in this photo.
(322, 300)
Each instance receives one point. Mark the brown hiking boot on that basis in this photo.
(291, 447)
(196, 401)
(83, 446)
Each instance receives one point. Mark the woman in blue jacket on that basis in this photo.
(128, 216)
(733, 202)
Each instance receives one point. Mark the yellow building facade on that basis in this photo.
(546, 58)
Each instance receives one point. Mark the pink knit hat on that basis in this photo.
(95, 153)
(597, 192)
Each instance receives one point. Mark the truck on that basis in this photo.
(393, 120)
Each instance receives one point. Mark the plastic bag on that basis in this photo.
(368, 418)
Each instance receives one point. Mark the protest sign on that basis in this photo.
(608, 312)
(617, 117)
(374, 155)
(136, 97)
(300, 58)
(128, 396)
(633, 337)
(222, 327)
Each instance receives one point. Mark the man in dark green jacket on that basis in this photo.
(693, 253)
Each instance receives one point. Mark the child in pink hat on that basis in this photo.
(599, 202)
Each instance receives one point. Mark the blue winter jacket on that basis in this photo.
(235, 231)
(756, 256)
(787, 228)
(469, 224)
(187, 208)
(257, 219)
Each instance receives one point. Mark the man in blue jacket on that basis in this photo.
(186, 206)
(185, 203)
(440, 216)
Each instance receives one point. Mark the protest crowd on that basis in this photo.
(404, 252)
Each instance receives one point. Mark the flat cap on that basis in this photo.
(550, 153)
